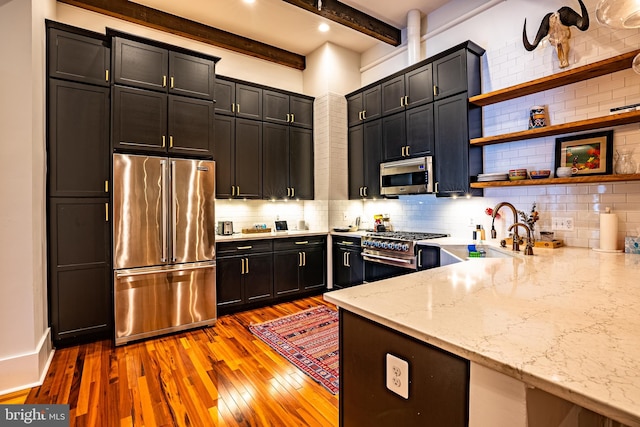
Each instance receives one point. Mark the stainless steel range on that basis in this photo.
(392, 253)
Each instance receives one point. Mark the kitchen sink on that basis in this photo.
(462, 252)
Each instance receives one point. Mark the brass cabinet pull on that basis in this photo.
(288, 192)
(299, 259)
(241, 265)
(436, 187)
(163, 141)
(170, 141)
(419, 258)
(360, 191)
(435, 90)
(233, 108)
(237, 190)
(164, 81)
(408, 146)
(406, 101)
(402, 101)
(364, 191)
(293, 118)
(348, 254)
(247, 264)
(106, 186)
(293, 191)
(304, 259)
(171, 82)
(243, 247)
(238, 108)
(302, 242)
(288, 117)
(364, 114)
(106, 212)
(106, 75)
(345, 242)
(233, 190)
(359, 115)
(403, 151)
(344, 259)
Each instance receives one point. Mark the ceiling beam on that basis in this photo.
(352, 18)
(153, 18)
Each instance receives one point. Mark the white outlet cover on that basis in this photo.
(398, 376)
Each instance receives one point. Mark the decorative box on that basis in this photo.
(632, 245)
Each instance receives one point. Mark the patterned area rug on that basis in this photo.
(309, 340)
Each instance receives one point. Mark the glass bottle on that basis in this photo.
(624, 162)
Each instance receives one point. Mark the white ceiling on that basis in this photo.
(289, 27)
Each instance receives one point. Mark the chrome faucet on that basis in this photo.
(529, 249)
(516, 238)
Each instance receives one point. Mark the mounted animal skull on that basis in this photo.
(557, 25)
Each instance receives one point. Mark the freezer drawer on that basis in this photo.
(155, 301)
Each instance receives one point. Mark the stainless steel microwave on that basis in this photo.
(407, 176)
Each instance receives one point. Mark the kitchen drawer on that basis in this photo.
(347, 241)
(299, 243)
(243, 247)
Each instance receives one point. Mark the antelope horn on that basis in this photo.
(570, 17)
(542, 33)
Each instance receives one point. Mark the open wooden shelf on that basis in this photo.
(551, 181)
(588, 124)
(600, 68)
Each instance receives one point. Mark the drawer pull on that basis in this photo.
(304, 242)
(244, 247)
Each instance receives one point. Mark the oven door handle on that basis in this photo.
(385, 258)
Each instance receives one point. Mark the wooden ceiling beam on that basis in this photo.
(153, 18)
(352, 18)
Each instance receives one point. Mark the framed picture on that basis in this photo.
(587, 154)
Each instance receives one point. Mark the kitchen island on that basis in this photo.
(564, 321)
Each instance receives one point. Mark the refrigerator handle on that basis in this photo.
(163, 229)
(174, 207)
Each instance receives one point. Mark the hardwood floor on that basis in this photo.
(220, 376)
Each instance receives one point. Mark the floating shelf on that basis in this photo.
(588, 124)
(596, 69)
(551, 181)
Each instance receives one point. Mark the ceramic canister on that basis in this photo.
(537, 117)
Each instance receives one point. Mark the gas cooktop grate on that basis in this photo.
(406, 235)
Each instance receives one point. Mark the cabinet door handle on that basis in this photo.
(106, 186)
(171, 82)
(238, 108)
(348, 254)
(344, 259)
(233, 108)
(293, 117)
(233, 190)
(247, 266)
(364, 191)
(359, 115)
(288, 118)
(237, 190)
(106, 75)
(163, 141)
(403, 151)
(299, 259)
(240, 248)
(293, 191)
(435, 90)
(304, 259)
(436, 187)
(402, 101)
(408, 146)
(242, 265)
(164, 81)
(170, 141)
(419, 258)
(288, 192)
(106, 212)
(364, 114)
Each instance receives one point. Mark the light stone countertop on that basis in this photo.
(237, 237)
(564, 320)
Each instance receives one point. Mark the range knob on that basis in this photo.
(385, 245)
(376, 243)
(405, 247)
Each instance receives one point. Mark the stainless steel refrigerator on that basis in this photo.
(164, 245)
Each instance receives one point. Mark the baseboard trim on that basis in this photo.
(29, 369)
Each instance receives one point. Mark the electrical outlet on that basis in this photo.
(398, 375)
(471, 222)
(345, 216)
(562, 224)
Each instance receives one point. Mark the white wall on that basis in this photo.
(24, 335)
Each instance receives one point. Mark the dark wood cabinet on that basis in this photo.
(287, 162)
(348, 266)
(191, 76)
(149, 121)
(282, 108)
(244, 275)
(190, 126)
(139, 119)
(438, 389)
(238, 99)
(152, 67)
(408, 133)
(78, 57)
(407, 90)
(225, 96)
(78, 135)
(456, 161)
(80, 268)
(238, 156)
(299, 266)
(428, 257)
(450, 75)
(364, 157)
(364, 106)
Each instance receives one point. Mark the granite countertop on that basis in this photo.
(564, 320)
(236, 237)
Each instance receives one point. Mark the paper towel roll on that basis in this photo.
(608, 231)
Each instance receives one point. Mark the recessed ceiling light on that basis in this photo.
(249, 1)
(324, 27)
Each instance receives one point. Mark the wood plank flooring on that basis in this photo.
(216, 376)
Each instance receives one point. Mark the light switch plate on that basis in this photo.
(398, 375)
